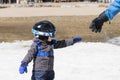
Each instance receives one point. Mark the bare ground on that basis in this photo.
(16, 23)
(19, 28)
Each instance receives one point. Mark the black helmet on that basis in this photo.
(44, 28)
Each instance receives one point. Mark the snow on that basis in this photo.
(82, 61)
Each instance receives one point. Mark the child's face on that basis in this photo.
(50, 39)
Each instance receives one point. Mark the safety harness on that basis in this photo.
(40, 53)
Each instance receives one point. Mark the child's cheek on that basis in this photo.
(49, 39)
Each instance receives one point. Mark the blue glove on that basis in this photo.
(77, 39)
(23, 68)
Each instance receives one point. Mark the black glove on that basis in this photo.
(97, 23)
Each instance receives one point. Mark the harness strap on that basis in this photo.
(39, 53)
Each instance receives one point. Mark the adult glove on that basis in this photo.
(23, 68)
(97, 23)
(77, 39)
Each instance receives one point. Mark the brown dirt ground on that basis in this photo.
(19, 28)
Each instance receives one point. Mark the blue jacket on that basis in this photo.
(113, 9)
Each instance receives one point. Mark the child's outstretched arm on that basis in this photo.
(67, 42)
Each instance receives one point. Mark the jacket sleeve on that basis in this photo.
(31, 53)
(113, 9)
(63, 43)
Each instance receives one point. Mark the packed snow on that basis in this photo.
(82, 61)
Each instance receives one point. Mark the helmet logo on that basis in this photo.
(39, 26)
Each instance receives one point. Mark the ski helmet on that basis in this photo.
(44, 28)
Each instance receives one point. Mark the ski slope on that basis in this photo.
(82, 61)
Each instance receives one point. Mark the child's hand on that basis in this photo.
(77, 39)
(23, 68)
